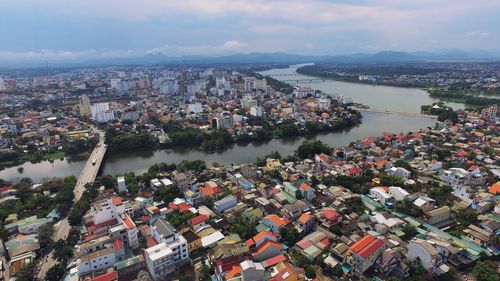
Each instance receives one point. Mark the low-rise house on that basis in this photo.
(477, 235)
(274, 223)
(427, 254)
(225, 203)
(267, 250)
(261, 237)
(313, 244)
(101, 260)
(307, 191)
(305, 223)
(399, 172)
(425, 203)
(391, 264)
(438, 216)
(398, 193)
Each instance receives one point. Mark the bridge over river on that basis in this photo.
(411, 114)
(88, 175)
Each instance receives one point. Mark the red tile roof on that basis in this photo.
(370, 249)
(151, 241)
(113, 275)
(264, 246)
(235, 271)
(358, 246)
(198, 219)
(330, 214)
(128, 222)
(117, 201)
(274, 260)
(94, 227)
(259, 236)
(117, 245)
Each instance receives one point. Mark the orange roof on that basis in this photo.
(263, 247)
(275, 219)
(128, 222)
(151, 241)
(304, 218)
(495, 188)
(381, 162)
(259, 236)
(358, 246)
(304, 186)
(117, 201)
(236, 270)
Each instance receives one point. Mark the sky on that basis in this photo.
(59, 30)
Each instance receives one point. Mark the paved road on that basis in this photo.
(88, 174)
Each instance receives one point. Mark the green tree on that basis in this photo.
(289, 236)
(310, 148)
(63, 251)
(56, 272)
(310, 272)
(409, 230)
(486, 271)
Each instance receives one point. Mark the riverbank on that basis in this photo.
(35, 157)
(472, 99)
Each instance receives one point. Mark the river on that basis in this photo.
(374, 124)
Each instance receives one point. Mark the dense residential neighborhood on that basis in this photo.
(391, 207)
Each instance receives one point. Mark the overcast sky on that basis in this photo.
(82, 29)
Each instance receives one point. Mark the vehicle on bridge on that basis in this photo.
(93, 162)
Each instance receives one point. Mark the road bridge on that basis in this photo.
(298, 81)
(88, 175)
(411, 114)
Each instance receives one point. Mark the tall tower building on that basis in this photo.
(84, 105)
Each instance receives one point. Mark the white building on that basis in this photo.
(380, 195)
(252, 271)
(225, 203)
(456, 176)
(428, 255)
(302, 92)
(122, 186)
(101, 112)
(398, 193)
(256, 111)
(399, 172)
(114, 82)
(169, 87)
(101, 260)
(195, 108)
(324, 103)
(170, 253)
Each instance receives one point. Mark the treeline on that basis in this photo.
(443, 112)
(219, 139)
(466, 96)
(79, 146)
(118, 141)
(35, 202)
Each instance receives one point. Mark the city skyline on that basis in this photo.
(74, 31)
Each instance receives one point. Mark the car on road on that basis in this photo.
(93, 162)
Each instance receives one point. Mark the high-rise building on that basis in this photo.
(84, 105)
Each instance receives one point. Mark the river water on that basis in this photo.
(374, 124)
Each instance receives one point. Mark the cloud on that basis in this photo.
(65, 55)
(228, 47)
(477, 33)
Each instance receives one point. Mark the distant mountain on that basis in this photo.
(450, 55)
(444, 55)
(383, 56)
